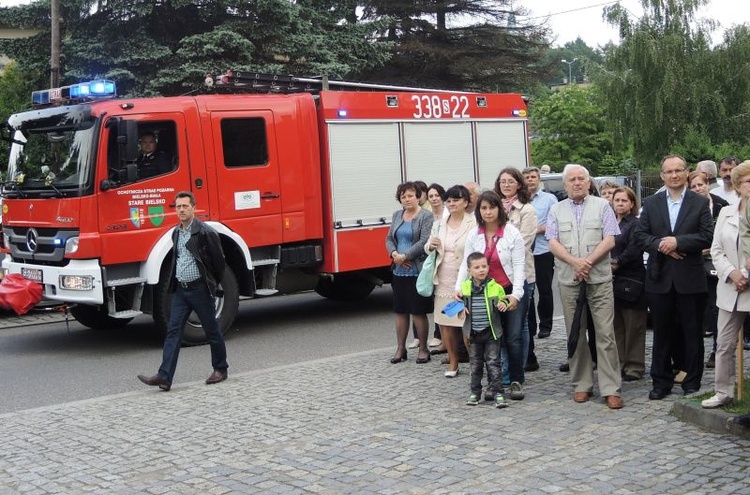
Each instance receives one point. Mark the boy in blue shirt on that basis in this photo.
(484, 299)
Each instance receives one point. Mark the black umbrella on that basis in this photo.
(575, 325)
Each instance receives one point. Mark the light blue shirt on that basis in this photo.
(674, 207)
(542, 202)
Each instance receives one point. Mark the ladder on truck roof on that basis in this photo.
(273, 83)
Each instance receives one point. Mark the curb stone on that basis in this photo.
(713, 420)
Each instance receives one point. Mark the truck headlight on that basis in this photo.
(71, 246)
(76, 282)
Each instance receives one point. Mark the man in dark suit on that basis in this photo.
(674, 228)
(151, 161)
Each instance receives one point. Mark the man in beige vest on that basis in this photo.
(581, 231)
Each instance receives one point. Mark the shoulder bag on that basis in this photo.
(425, 286)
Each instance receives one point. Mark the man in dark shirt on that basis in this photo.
(151, 161)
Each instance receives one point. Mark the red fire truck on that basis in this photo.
(296, 175)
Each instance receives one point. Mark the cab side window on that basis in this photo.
(244, 142)
(157, 143)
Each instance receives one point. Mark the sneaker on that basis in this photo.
(716, 401)
(473, 400)
(500, 401)
(434, 342)
(414, 344)
(711, 362)
(516, 391)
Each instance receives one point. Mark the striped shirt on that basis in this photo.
(187, 268)
(480, 319)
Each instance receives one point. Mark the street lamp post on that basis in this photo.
(570, 69)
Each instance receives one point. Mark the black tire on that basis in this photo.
(96, 317)
(226, 309)
(344, 288)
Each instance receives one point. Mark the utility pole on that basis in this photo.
(54, 70)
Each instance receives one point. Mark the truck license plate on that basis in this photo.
(33, 274)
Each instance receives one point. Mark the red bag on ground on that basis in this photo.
(19, 294)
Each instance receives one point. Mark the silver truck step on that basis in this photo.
(119, 282)
(265, 262)
(126, 314)
(266, 292)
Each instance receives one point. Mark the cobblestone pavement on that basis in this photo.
(357, 424)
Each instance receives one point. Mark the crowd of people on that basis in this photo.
(494, 249)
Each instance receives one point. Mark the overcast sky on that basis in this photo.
(570, 19)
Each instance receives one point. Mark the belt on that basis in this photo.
(194, 284)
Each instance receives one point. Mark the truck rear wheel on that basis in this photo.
(226, 309)
(97, 317)
(344, 288)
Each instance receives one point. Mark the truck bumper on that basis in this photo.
(52, 277)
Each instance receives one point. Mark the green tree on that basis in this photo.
(651, 82)
(166, 47)
(15, 95)
(458, 44)
(570, 127)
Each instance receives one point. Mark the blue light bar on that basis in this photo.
(97, 89)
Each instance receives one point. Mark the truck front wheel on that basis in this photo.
(226, 310)
(97, 317)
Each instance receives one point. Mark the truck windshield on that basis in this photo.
(52, 155)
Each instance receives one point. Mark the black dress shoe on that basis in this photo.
(565, 367)
(690, 391)
(658, 394)
(543, 334)
(402, 357)
(438, 350)
(531, 365)
(156, 381)
(424, 359)
(216, 377)
(630, 378)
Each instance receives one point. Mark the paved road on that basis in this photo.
(50, 363)
(353, 423)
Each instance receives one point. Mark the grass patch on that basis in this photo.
(737, 407)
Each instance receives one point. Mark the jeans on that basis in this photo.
(183, 302)
(517, 338)
(484, 350)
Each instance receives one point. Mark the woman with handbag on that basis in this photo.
(629, 275)
(448, 239)
(733, 298)
(409, 232)
(503, 246)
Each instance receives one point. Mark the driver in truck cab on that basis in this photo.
(151, 162)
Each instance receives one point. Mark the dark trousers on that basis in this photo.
(544, 265)
(184, 301)
(678, 335)
(485, 350)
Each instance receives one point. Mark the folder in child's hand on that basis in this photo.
(453, 308)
